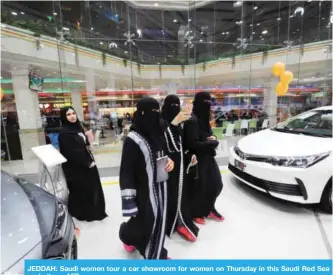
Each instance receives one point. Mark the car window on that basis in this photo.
(315, 123)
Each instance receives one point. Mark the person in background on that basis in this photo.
(200, 141)
(144, 200)
(179, 217)
(86, 198)
(88, 132)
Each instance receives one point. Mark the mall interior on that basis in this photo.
(101, 57)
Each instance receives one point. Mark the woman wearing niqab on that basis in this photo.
(179, 217)
(144, 200)
(86, 198)
(199, 140)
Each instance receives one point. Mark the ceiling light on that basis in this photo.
(264, 32)
(126, 51)
(189, 20)
(156, 4)
(66, 29)
(237, 4)
(255, 8)
(201, 40)
(223, 33)
(175, 20)
(92, 29)
(55, 13)
(309, 1)
(101, 43)
(291, 16)
(258, 24)
(22, 12)
(299, 10)
(322, 18)
(253, 32)
(201, 32)
(227, 32)
(278, 19)
(14, 13)
(251, 25)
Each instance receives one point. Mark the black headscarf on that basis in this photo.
(147, 122)
(201, 109)
(69, 127)
(171, 108)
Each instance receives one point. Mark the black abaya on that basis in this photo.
(86, 199)
(178, 184)
(143, 199)
(204, 190)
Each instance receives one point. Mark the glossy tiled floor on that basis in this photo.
(256, 227)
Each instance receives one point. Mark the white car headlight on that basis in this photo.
(298, 162)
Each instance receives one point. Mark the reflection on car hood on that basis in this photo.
(20, 231)
(272, 143)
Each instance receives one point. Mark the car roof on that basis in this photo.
(324, 108)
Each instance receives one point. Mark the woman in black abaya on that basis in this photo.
(86, 199)
(179, 217)
(199, 140)
(144, 199)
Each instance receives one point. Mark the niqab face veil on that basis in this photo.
(146, 121)
(75, 127)
(171, 108)
(201, 108)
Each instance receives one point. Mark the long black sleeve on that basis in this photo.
(74, 151)
(192, 140)
(127, 177)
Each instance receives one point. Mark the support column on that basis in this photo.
(271, 100)
(91, 94)
(29, 116)
(77, 103)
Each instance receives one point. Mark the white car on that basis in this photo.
(292, 161)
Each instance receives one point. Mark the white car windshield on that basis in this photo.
(313, 123)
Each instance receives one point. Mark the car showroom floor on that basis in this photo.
(256, 227)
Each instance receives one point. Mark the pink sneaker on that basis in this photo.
(129, 248)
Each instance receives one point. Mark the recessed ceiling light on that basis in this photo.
(278, 19)
(175, 20)
(322, 18)
(264, 32)
(201, 32)
(55, 13)
(14, 13)
(291, 16)
(237, 4)
(101, 43)
(22, 12)
(253, 32)
(227, 32)
(251, 25)
(255, 8)
(258, 24)
(156, 4)
(92, 29)
(201, 40)
(223, 33)
(189, 20)
(126, 51)
(66, 29)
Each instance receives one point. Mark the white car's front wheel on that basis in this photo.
(326, 198)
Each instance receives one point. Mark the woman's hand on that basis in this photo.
(211, 138)
(170, 165)
(194, 160)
